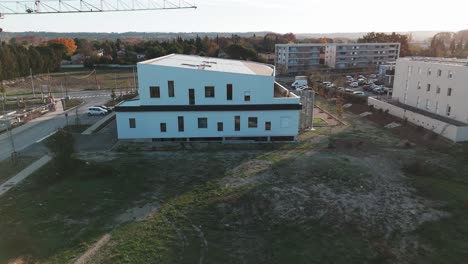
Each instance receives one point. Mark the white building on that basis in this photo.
(298, 58)
(432, 93)
(192, 98)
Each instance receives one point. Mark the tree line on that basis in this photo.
(17, 60)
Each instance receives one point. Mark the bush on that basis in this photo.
(62, 147)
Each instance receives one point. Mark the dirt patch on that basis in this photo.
(87, 257)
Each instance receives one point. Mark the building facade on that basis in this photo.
(432, 93)
(192, 98)
(298, 58)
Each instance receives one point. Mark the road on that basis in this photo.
(38, 129)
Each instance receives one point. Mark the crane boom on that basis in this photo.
(22, 7)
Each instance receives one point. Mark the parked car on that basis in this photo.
(93, 111)
(360, 93)
(108, 109)
(303, 88)
(372, 76)
(348, 90)
(378, 90)
(354, 84)
(340, 89)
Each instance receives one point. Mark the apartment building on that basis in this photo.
(297, 58)
(192, 98)
(432, 93)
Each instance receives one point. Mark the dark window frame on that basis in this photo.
(170, 88)
(252, 122)
(220, 126)
(267, 126)
(449, 92)
(237, 123)
(180, 123)
(210, 92)
(229, 92)
(132, 122)
(163, 127)
(202, 122)
(155, 92)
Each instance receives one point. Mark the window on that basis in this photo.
(450, 75)
(162, 126)
(439, 73)
(202, 122)
(429, 72)
(170, 88)
(229, 92)
(268, 126)
(237, 123)
(437, 107)
(180, 123)
(253, 122)
(209, 91)
(132, 122)
(418, 101)
(155, 92)
(247, 96)
(438, 89)
(419, 85)
(449, 109)
(428, 104)
(191, 96)
(220, 126)
(449, 92)
(428, 87)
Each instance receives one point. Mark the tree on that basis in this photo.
(239, 52)
(67, 42)
(61, 144)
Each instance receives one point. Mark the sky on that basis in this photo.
(282, 16)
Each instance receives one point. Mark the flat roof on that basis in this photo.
(336, 44)
(447, 61)
(212, 64)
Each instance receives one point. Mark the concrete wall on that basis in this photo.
(409, 73)
(451, 132)
(260, 88)
(148, 124)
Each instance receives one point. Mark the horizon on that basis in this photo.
(295, 16)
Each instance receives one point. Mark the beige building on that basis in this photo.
(300, 58)
(432, 93)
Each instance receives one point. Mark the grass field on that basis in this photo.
(371, 199)
(76, 80)
(9, 169)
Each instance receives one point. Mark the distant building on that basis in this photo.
(193, 98)
(432, 93)
(387, 73)
(300, 58)
(98, 53)
(78, 58)
(140, 57)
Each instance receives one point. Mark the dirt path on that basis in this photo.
(87, 257)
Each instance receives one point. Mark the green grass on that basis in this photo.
(9, 169)
(317, 120)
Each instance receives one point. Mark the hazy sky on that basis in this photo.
(298, 16)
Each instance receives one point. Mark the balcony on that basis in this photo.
(282, 92)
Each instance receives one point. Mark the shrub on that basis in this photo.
(62, 147)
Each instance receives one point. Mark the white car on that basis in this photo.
(360, 93)
(354, 84)
(303, 88)
(93, 111)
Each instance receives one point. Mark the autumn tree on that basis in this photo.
(67, 42)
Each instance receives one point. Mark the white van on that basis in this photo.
(93, 111)
(299, 81)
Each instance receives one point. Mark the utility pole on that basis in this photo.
(32, 82)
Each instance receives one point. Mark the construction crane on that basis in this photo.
(22, 7)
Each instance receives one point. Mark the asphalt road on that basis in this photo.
(38, 129)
